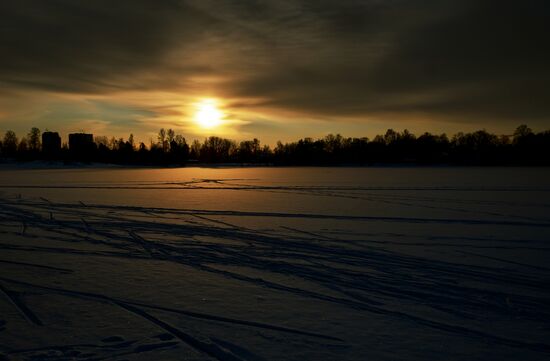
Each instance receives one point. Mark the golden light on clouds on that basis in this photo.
(208, 115)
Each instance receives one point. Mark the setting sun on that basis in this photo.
(208, 115)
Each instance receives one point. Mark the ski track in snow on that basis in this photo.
(357, 265)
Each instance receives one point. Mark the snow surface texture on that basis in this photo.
(275, 264)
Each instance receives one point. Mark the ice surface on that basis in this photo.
(275, 264)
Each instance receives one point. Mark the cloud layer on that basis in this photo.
(463, 61)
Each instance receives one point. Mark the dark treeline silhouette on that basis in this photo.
(524, 147)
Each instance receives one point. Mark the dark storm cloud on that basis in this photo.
(468, 59)
(94, 46)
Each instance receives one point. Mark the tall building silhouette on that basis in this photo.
(51, 143)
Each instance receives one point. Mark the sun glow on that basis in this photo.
(208, 115)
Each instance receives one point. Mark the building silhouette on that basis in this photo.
(51, 143)
(81, 143)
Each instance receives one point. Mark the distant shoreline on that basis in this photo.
(38, 165)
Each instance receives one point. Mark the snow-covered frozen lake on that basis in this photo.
(275, 264)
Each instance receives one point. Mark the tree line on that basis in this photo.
(524, 147)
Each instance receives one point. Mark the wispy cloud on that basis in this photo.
(348, 60)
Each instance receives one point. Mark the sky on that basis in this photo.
(274, 69)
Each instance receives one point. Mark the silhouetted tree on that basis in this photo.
(170, 134)
(216, 149)
(9, 144)
(34, 140)
(179, 150)
(22, 147)
(102, 141)
(522, 133)
(162, 139)
(248, 151)
(524, 147)
(195, 150)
